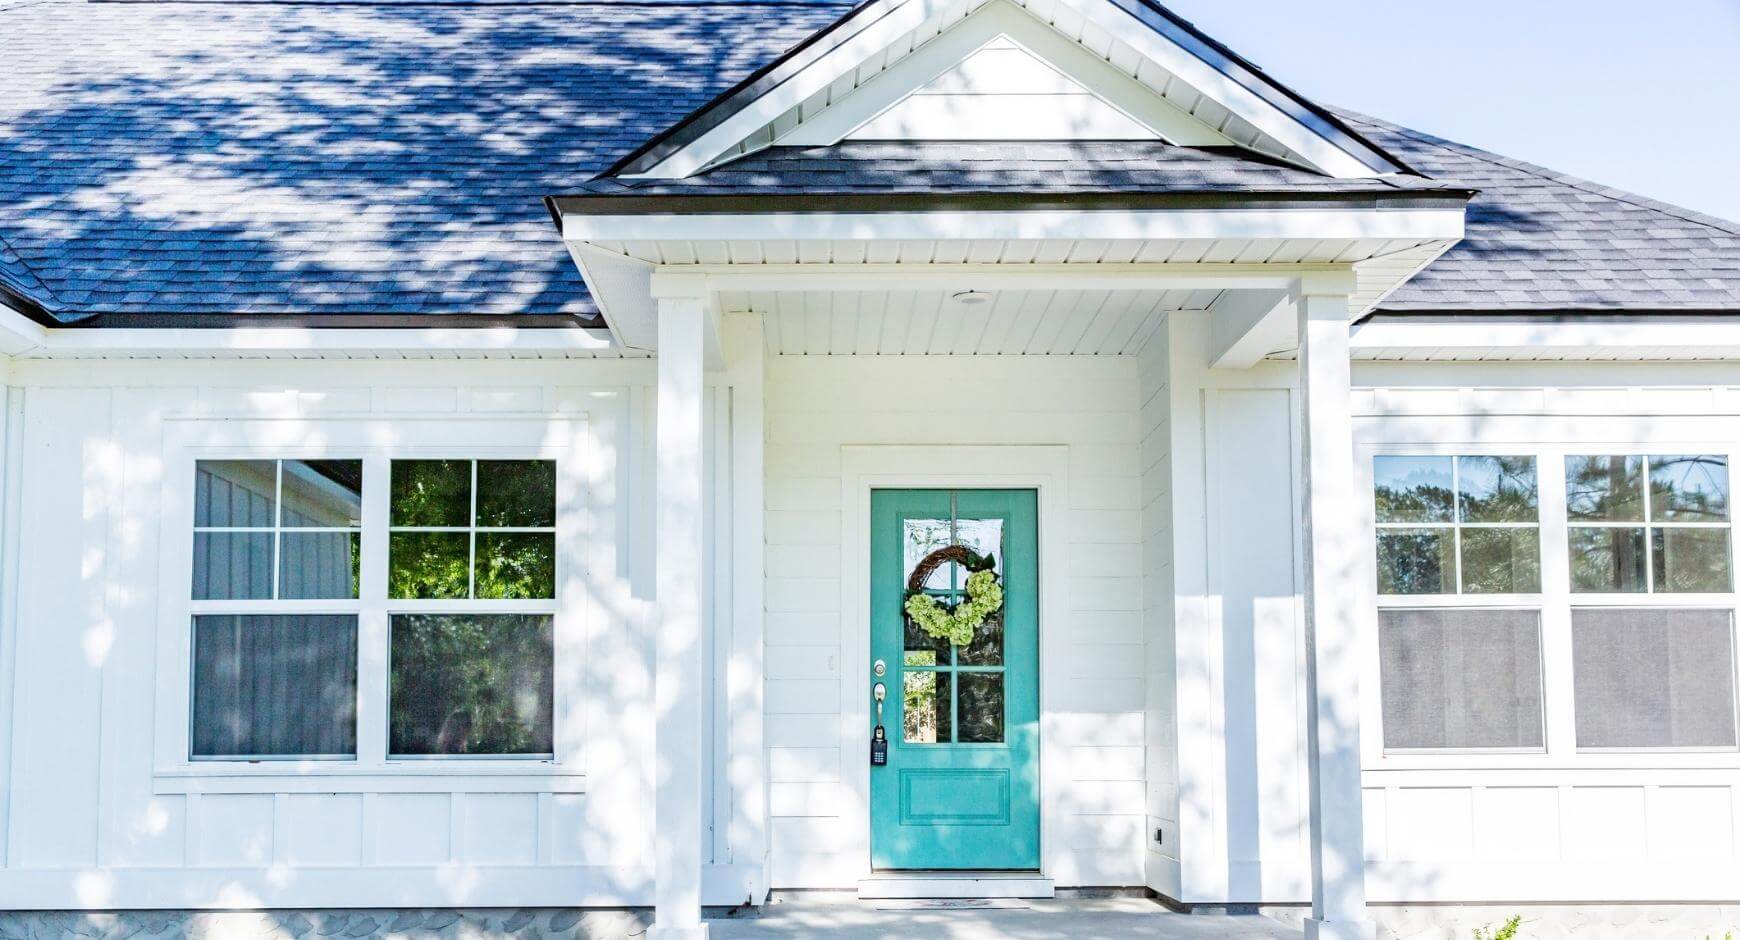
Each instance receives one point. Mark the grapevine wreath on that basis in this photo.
(956, 624)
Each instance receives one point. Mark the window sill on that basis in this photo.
(345, 777)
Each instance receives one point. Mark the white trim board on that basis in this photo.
(895, 28)
(860, 112)
(867, 467)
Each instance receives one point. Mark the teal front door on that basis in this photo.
(960, 789)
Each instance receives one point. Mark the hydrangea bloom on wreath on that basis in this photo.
(959, 623)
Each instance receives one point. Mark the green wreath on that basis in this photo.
(959, 623)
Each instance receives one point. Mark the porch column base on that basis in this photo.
(656, 932)
(1339, 929)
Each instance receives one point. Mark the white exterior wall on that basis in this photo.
(818, 405)
(1238, 627)
(1555, 827)
(90, 818)
(1559, 826)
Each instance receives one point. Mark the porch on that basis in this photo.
(819, 914)
(1086, 383)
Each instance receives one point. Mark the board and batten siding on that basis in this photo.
(88, 818)
(818, 405)
(1561, 825)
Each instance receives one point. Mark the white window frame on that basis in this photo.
(377, 443)
(1554, 603)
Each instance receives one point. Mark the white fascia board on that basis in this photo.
(1598, 337)
(1323, 154)
(850, 54)
(992, 21)
(1246, 326)
(1423, 224)
(993, 277)
(267, 341)
(18, 333)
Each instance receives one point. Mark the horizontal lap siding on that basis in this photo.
(817, 405)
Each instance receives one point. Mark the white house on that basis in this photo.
(519, 455)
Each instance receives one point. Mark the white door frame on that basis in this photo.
(1043, 468)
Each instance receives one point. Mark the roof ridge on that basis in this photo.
(1547, 173)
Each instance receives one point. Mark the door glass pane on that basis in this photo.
(1690, 560)
(428, 564)
(516, 565)
(323, 493)
(1496, 489)
(1501, 561)
(925, 707)
(431, 493)
(274, 685)
(1416, 561)
(1604, 489)
(319, 564)
(987, 646)
(1607, 560)
(922, 649)
(984, 537)
(472, 684)
(921, 537)
(234, 493)
(1413, 489)
(516, 493)
(981, 707)
(232, 566)
(1688, 488)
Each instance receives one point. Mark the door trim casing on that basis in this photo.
(1044, 468)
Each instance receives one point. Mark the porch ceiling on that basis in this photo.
(932, 322)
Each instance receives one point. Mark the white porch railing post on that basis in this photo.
(1332, 541)
(677, 810)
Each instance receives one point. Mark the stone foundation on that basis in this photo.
(1547, 921)
(478, 924)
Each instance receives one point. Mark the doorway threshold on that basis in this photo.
(916, 885)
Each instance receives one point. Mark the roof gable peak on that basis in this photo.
(922, 69)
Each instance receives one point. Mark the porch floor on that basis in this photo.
(842, 915)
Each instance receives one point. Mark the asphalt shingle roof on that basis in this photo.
(1544, 241)
(262, 159)
(1106, 166)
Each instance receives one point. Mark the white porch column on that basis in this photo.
(677, 813)
(1332, 541)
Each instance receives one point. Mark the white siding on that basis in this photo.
(817, 405)
(1563, 825)
(89, 818)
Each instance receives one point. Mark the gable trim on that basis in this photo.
(888, 89)
(685, 148)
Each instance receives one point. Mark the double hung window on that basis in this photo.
(282, 592)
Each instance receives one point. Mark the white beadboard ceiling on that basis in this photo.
(933, 323)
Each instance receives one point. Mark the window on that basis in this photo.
(473, 528)
(1458, 678)
(1457, 525)
(472, 679)
(1648, 524)
(275, 683)
(1654, 678)
(466, 606)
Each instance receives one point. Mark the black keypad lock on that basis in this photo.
(879, 748)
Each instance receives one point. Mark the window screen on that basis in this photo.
(1457, 678)
(274, 685)
(1653, 678)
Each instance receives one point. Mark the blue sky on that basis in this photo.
(1642, 96)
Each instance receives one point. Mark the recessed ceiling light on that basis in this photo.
(974, 297)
